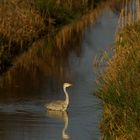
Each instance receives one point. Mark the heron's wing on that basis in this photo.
(56, 104)
(61, 102)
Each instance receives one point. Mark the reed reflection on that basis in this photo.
(43, 65)
(61, 115)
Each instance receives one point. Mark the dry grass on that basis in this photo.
(65, 35)
(39, 60)
(120, 88)
(77, 4)
(19, 22)
(45, 59)
(130, 12)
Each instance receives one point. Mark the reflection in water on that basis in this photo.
(37, 77)
(42, 60)
(62, 115)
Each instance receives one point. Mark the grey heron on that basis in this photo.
(60, 105)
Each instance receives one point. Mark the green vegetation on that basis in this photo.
(120, 88)
(23, 22)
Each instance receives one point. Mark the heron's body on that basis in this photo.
(60, 105)
(57, 105)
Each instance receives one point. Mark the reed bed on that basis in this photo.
(48, 5)
(65, 35)
(130, 13)
(22, 22)
(19, 22)
(44, 53)
(120, 88)
(68, 10)
(119, 85)
(39, 60)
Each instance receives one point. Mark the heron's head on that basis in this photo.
(67, 85)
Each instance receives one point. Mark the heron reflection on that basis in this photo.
(62, 115)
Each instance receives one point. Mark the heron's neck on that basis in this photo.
(67, 97)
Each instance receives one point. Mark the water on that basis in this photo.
(22, 112)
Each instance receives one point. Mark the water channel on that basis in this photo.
(22, 112)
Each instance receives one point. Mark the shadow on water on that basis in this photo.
(38, 76)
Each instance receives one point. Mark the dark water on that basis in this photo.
(22, 112)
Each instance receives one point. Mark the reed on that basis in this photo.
(130, 13)
(40, 59)
(43, 54)
(48, 5)
(65, 35)
(68, 10)
(120, 87)
(19, 22)
(22, 22)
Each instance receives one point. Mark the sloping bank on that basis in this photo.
(23, 22)
(120, 88)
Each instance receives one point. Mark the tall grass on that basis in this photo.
(62, 12)
(22, 22)
(65, 35)
(120, 88)
(19, 22)
(43, 54)
(130, 12)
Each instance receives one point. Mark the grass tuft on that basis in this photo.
(120, 88)
(19, 22)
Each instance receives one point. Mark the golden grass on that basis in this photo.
(19, 22)
(65, 35)
(130, 13)
(120, 88)
(43, 55)
(40, 60)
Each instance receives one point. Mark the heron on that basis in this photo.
(62, 104)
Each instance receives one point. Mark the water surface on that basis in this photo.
(22, 112)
